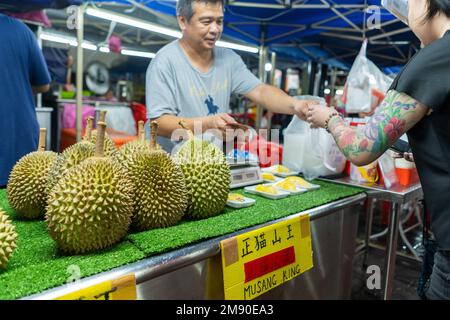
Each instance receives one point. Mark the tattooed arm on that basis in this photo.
(363, 144)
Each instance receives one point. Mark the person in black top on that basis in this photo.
(417, 103)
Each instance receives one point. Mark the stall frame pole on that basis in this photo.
(262, 77)
(273, 61)
(79, 99)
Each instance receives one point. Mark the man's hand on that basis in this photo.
(218, 123)
(301, 107)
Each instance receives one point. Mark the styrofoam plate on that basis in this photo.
(281, 194)
(298, 191)
(281, 174)
(244, 204)
(277, 179)
(313, 187)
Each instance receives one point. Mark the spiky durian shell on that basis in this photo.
(161, 197)
(90, 208)
(109, 147)
(8, 238)
(27, 184)
(207, 175)
(130, 148)
(69, 158)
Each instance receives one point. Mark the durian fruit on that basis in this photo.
(109, 146)
(207, 175)
(90, 208)
(134, 146)
(26, 187)
(161, 197)
(8, 237)
(71, 157)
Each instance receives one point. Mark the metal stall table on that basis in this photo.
(397, 196)
(195, 272)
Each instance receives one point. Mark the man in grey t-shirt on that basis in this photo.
(192, 80)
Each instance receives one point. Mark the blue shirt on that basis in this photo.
(22, 65)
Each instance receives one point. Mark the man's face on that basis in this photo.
(205, 26)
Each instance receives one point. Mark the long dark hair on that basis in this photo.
(437, 6)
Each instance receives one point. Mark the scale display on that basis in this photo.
(245, 169)
(245, 176)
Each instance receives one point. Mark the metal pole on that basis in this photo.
(273, 61)
(262, 77)
(391, 251)
(333, 82)
(369, 220)
(79, 99)
(317, 79)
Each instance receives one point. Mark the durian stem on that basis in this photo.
(184, 126)
(88, 132)
(141, 132)
(101, 129)
(102, 116)
(42, 134)
(154, 128)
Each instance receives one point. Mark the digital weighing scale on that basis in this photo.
(244, 170)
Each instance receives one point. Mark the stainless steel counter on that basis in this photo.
(397, 195)
(194, 272)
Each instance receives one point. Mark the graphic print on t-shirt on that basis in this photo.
(212, 108)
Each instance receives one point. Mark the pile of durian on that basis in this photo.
(91, 195)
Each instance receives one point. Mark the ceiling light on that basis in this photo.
(236, 46)
(138, 53)
(53, 37)
(138, 23)
(119, 18)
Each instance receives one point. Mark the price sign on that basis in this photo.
(123, 288)
(260, 260)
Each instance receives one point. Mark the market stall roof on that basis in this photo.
(33, 5)
(324, 31)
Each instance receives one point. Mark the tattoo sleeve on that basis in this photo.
(363, 144)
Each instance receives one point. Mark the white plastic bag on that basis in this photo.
(311, 151)
(363, 81)
(387, 167)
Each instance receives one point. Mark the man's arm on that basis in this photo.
(272, 98)
(277, 101)
(362, 145)
(168, 123)
(40, 89)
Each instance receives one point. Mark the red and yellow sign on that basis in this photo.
(260, 260)
(123, 288)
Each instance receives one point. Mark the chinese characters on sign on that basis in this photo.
(257, 261)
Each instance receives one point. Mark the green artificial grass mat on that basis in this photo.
(38, 265)
(160, 240)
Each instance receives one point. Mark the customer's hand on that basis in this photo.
(301, 107)
(317, 115)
